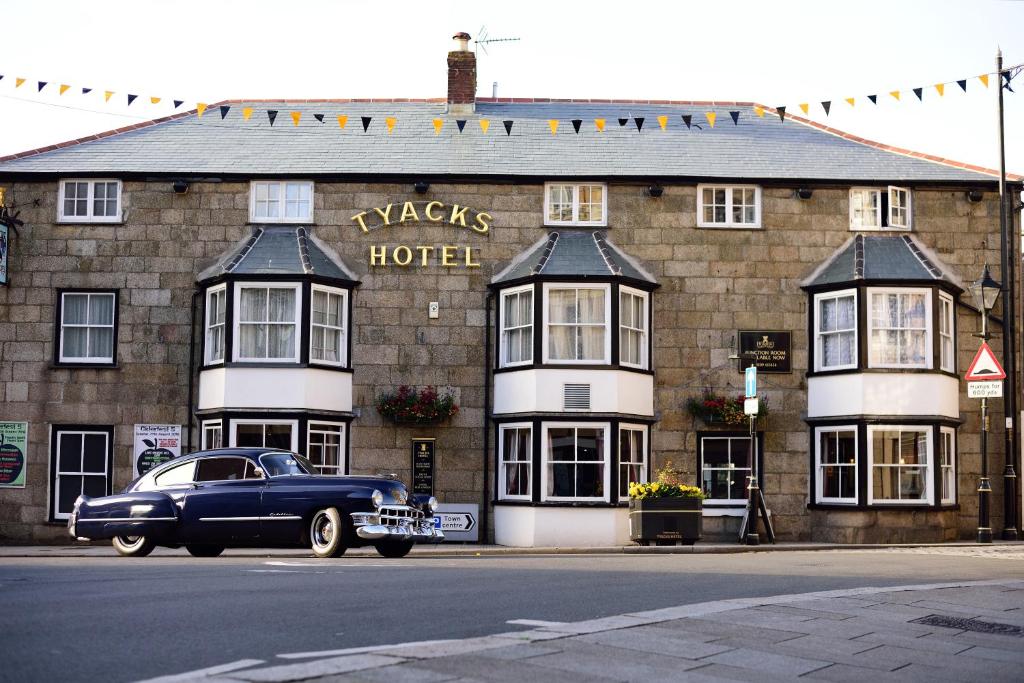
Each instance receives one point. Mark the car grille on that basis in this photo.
(398, 515)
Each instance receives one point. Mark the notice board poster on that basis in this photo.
(423, 466)
(155, 444)
(13, 447)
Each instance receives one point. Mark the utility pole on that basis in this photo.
(1007, 267)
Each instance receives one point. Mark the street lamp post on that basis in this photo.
(985, 291)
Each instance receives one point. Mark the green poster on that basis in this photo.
(13, 447)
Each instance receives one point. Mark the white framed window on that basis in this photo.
(517, 326)
(633, 328)
(947, 344)
(265, 434)
(575, 460)
(213, 435)
(947, 465)
(515, 461)
(575, 204)
(266, 322)
(835, 330)
(88, 327)
(577, 321)
(89, 201)
(326, 446)
(899, 459)
(632, 457)
(836, 461)
(899, 328)
(728, 206)
(281, 201)
(725, 469)
(328, 343)
(873, 208)
(216, 312)
(80, 465)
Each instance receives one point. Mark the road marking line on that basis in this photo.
(202, 673)
(534, 622)
(360, 650)
(294, 564)
(277, 571)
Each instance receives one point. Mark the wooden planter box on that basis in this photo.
(666, 520)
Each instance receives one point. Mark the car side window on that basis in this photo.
(250, 470)
(182, 474)
(221, 469)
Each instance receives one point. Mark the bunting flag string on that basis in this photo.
(599, 125)
(508, 126)
(319, 117)
(688, 120)
(826, 105)
(576, 123)
(297, 116)
(663, 121)
(367, 119)
(461, 123)
(711, 116)
(438, 125)
(639, 121)
(225, 109)
(272, 115)
(735, 117)
(484, 125)
(246, 113)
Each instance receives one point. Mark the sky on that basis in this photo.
(775, 52)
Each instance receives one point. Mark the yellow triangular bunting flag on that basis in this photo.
(107, 94)
(850, 101)
(599, 124)
(759, 110)
(296, 117)
(390, 123)
(711, 118)
(940, 88)
(64, 88)
(438, 124)
(246, 113)
(342, 120)
(200, 108)
(984, 79)
(553, 125)
(895, 93)
(804, 107)
(154, 100)
(18, 82)
(663, 121)
(484, 125)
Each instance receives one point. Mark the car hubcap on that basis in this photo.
(323, 530)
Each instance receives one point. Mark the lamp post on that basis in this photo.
(985, 291)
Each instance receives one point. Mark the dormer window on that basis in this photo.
(878, 209)
(575, 204)
(288, 201)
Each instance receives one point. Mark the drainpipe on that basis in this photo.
(192, 368)
(487, 417)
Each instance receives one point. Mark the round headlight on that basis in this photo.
(432, 505)
(377, 498)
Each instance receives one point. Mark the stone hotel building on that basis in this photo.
(576, 292)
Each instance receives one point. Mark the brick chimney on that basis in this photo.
(461, 77)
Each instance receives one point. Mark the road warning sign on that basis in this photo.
(985, 366)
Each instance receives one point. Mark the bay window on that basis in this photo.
(517, 326)
(216, 312)
(515, 469)
(947, 465)
(947, 346)
(836, 457)
(328, 315)
(632, 457)
(281, 201)
(899, 323)
(835, 324)
(267, 322)
(899, 460)
(575, 204)
(728, 206)
(633, 328)
(577, 324)
(265, 434)
(575, 460)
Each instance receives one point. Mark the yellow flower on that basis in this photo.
(655, 486)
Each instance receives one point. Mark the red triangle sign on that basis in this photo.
(985, 366)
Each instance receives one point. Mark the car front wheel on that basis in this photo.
(204, 550)
(394, 548)
(327, 533)
(133, 546)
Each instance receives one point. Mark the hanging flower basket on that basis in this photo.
(713, 408)
(409, 405)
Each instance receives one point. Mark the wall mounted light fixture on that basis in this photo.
(421, 186)
(180, 186)
(975, 196)
(804, 192)
(655, 191)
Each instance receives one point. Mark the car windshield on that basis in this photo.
(285, 464)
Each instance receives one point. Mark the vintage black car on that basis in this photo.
(255, 497)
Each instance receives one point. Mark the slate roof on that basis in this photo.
(865, 258)
(280, 250)
(573, 253)
(761, 148)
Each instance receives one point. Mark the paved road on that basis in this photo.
(117, 619)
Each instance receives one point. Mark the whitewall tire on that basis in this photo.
(133, 546)
(327, 533)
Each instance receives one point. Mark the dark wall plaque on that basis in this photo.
(423, 466)
(769, 351)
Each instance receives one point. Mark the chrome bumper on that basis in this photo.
(399, 522)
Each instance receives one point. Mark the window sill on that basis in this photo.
(273, 365)
(887, 507)
(556, 504)
(84, 366)
(887, 371)
(88, 221)
(724, 226)
(258, 222)
(572, 366)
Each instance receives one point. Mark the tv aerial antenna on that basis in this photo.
(484, 39)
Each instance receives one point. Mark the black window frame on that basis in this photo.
(55, 429)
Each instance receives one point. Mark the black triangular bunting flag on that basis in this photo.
(873, 98)
(735, 117)
(508, 127)
(962, 84)
(131, 98)
(272, 115)
(1, 77)
(224, 109)
(639, 121)
(86, 91)
(623, 122)
(782, 113)
(576, 123)
(42, 84)
(688, 119)
(319, 117)
(366, 122)
(826, 106)
(461, 123)
(178, 103)
(918, 91)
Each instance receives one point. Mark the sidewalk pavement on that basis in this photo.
(473, 550)
(939, 632)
